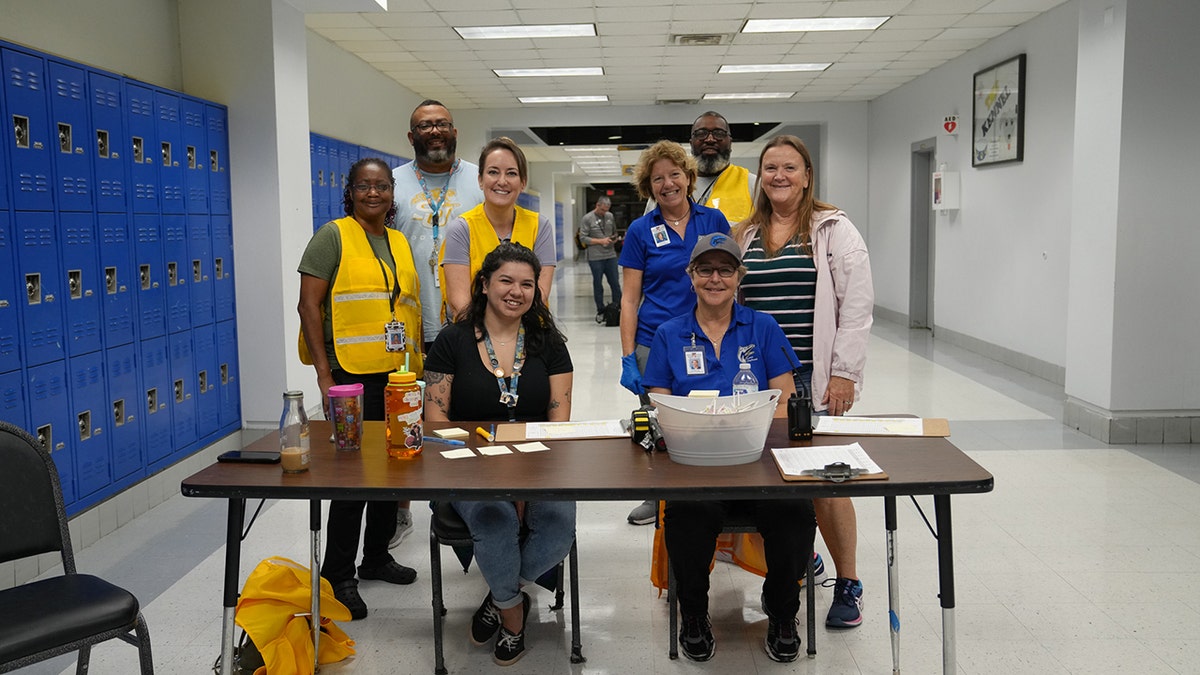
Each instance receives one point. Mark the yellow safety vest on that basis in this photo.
(730, 195)
(484, 239)
(360, 304)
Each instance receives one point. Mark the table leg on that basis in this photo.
(233, 556)
(889, 519)
(941, 506)
(314, 524)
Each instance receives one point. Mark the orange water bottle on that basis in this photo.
(402, 403)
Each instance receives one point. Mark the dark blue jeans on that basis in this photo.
(607, 269)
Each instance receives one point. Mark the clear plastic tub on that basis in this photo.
(698, 433)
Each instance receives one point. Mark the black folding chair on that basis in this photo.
(67, 613)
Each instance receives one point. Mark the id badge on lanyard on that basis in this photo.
(693, 359)
(394, 339)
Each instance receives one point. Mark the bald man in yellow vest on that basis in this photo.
(727, 187)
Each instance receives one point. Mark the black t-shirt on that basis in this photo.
(475, 395)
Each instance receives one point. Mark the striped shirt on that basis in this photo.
(783, 286)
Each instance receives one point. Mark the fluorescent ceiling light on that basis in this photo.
(547, 72)
(751, 95)
(798, 25)
(774, 68)
(563, 99)
(503, 32)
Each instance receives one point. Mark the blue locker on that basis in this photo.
(4, 160)
(346, 157)
(10, 328)
(195, 155)
(143, 149)
(170, 151)
(183, 391)
(155, 371)
(179, 273)
(45, 285)
(90, 412)
(50, 420)
(200, 267)
(151, 279)
(12, 398)
(218, 159)
(119, 279)
(110, 144)
(126, 411)
(28, 136)
(208, 379)
(319, 165)
(222, 251)
(71, 129)
(227, 366)
(84, 282)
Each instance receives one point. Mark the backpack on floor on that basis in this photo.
(612, 314)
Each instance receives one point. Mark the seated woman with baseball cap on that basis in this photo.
(703, 349)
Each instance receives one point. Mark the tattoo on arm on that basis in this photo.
(434, 378)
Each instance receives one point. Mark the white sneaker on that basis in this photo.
(404, 527)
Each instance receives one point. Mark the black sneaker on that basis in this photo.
(696, 638)
(485, 622)
(600, 318)
(510, 647)
(783, 644)
(393, 573)
(346, 592)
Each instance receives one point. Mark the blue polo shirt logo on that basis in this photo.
(746, 353)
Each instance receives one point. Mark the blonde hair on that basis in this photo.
(760, 217)
(668, 150)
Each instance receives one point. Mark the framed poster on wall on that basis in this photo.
(998, 120)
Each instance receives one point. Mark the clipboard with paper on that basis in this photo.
(810, 463)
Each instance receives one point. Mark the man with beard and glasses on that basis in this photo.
(723, 186)
(430, 191)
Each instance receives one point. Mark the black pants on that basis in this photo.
(787, 527)
(346, 517)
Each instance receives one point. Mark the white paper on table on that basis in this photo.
(795, 461)
(457, 453)
(535, 446)
(580, 429)
(870, 426)
(489, 450)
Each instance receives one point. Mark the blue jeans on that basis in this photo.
(505, 561)
(607, 269)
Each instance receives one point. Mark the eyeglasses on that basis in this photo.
(701, 134)
(364, 188)
(426, 127)
(724, 271)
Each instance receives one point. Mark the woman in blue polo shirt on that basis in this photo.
(703, 349)
(654, 285)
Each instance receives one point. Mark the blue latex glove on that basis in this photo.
(631, 377)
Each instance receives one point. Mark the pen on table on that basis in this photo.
(445, 441)
(491, 438)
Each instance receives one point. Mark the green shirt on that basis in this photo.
(784, 287)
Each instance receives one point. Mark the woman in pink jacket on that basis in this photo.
(808, 267)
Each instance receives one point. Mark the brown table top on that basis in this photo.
(593, 469)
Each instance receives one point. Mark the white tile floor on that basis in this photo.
(1085, 558)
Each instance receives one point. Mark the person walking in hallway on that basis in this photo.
(598, 232)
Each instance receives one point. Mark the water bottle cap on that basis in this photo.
(402, 377)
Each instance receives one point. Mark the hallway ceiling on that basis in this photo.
(644, 51)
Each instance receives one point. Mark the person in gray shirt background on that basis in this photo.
(598, 232)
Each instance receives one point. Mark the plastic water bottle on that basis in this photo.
(744, 382)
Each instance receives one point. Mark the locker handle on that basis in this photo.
(33, 288)
(144, 274)
(119, 412)
(110, 280)
(102, 143)
(64, 138)
(191, 156)
(85, 425)
(139, 154)
(75, 283)
(21, 131)
(152, 400)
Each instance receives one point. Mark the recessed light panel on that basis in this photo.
(506, 32)
(805, 25)
(774, 68)
(547, 72)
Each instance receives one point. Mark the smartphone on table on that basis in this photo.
(249, 456)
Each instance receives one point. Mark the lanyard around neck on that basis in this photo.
(395, 281)
(435, 208)
(508, 393)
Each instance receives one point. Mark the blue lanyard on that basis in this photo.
(435, 208)
(508, 393)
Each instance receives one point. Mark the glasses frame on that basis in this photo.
(365, 188)
(444, 126)
(719, 269)
(717, 134)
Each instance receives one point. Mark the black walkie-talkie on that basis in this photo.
(799, 412)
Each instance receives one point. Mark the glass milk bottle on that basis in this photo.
(293, 434)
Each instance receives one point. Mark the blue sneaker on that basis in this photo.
(846, 610)
(819, 575)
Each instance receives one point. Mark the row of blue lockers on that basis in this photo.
(83, 139)
(113, 417)
(75, 283)
(331, 160)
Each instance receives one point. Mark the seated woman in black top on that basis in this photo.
(505, 360)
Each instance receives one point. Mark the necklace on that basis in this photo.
(676, 221)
